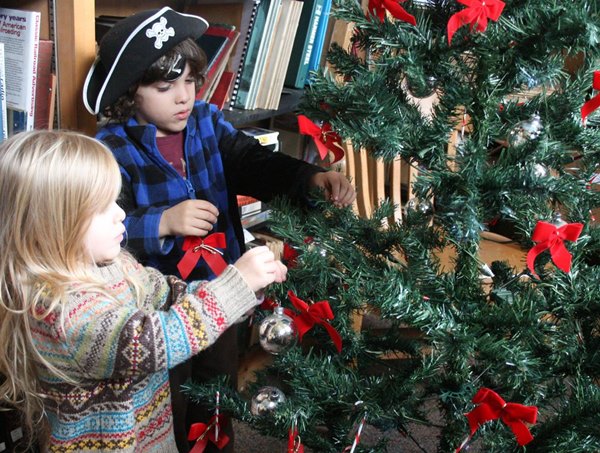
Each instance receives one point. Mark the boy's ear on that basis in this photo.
(129, 48)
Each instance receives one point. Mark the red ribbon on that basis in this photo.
(551, 237)
(593, 103)
(268, 304)
(196, 247)
(491, 407)
(317, 313)
(202, 433)
(294, 443)
(325, 139)
(379, 7)
(290, 256)
(476, 14)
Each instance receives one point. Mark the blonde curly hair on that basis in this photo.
(52, 184)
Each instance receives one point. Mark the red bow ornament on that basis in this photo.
(294, 443)
(379, 8)
(317, 313)
(202, 433)
(550, 236)
(325, 139)
(593, 103)
(290, 256)
(491, 407)
(476, 14)
(268, 304)
(196, 247)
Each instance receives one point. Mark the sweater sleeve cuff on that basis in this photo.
(233, 292)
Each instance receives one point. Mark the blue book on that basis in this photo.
(310, 20)
(315, 57)
(17, 121)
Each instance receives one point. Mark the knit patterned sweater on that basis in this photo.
(120, 354)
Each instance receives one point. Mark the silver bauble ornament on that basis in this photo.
(316, 246)
(557, 219)
(423, 207)
(421, 89)
(277, 332)
(525, 130)
(266, 401)
(540, 171)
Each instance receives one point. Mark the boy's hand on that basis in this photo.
(188, 218)
(259, 268)
(336, 186)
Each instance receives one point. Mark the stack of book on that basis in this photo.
(27, 77)
(266, 137)
(254, 212)
(218, 43)
(265, 46)
(269, 41)
(309, 42)
(280, 38)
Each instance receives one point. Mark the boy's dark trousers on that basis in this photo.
(221, 358)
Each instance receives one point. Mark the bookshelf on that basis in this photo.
(70, 23)
(290, 98)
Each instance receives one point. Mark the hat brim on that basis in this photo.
(130, 47)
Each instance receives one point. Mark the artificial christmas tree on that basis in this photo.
(507, 356)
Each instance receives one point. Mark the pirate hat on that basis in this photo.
(129, 48)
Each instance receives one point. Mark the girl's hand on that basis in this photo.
(336, 186)
(259, 268)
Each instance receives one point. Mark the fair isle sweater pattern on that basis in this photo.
(119, 355)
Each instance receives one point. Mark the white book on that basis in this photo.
(3, 112)
(291, 27)
(20, 34)
(265, 137)
(273, 55)
(265, 43)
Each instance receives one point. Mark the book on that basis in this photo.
(253, 212)
(290, 32)
(20, 34)
(45, 92)
(248, 205)
(242, 86)
(217, 42)
(221, 94)
(319, 43)
(3, 113)
(265, 137)
(269, 89)
(266, 42)
(310, 18)
(16, 121)
(221, 69)
(273, 52)
(248, 15)
(253, 220)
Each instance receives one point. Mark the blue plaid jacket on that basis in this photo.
(221, 162)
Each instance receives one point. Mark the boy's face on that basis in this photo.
(167, 105)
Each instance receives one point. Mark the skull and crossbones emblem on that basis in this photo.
(160, 31)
